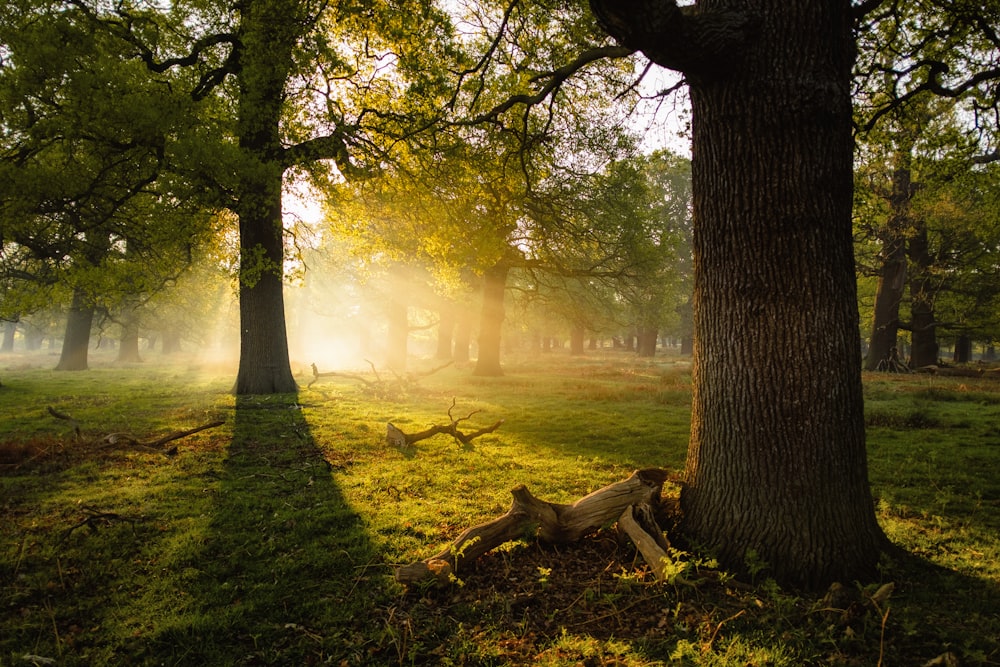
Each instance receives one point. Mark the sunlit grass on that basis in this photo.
(272, 539)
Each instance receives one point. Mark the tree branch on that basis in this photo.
(678, 38)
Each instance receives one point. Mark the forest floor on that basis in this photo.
(272, 539)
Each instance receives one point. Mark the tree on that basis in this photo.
(776, 471)
(285, 89)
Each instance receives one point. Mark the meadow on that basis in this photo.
(272, 538)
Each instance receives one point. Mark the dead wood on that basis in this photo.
(640, 525)
(950, 371)
(156, 446)
(65, 417)
(553, 523)
(93, 520)
(397, 438)
(378, 385)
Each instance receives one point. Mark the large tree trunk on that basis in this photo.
(646, 341)
(777, 469)
(892, 277)
(491, 323)
(776, 472)
(77, 339)
(269, 34)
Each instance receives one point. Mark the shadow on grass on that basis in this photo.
(285, 571)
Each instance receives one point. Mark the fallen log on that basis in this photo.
(556, 523)
(640, 525)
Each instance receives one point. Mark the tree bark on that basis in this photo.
(577, 336)
(128, 350)
(268, 34)
(923, 326)
(9, 329)
(963, 350)
(892, 277)
(776, 470)
(491, 322)
(646, 341)
(76, 342)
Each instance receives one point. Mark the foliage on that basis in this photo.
(272, 539)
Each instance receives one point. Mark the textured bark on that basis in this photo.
(268, 35)
(491, 323)
(924, 350)
(892, 277)
(77, 339)
(777, 469)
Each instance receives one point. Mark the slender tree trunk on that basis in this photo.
(777, 471)
(963, 350)
(128, 350)
(923, 328)
(171, 342)
(77, 339)
(463, 337)
(397, 334)
(446, 331)
(892, 277)
(491, 322)
(268, 33)
(577, 337)
(9, 329)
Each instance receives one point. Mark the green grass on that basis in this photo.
(272, 539)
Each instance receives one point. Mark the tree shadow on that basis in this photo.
(286, 570)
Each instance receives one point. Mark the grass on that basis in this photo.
(272, 539)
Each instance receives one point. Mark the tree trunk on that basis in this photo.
(577, 336)
(923, 326)
(463, 337)
(446, 331)
(270, 35)
(9, 329)
(397, 334)
(963, 350)
(646, 341)
(77, 339)
(892, 277)
(491, 322)
(128, 351)
(777, 471)
(171, 342)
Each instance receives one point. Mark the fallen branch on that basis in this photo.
(379, 386)
(639, 524)
(156, 446)
(397, 438)
(556, 523)
(94, 519)
(65, 417)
